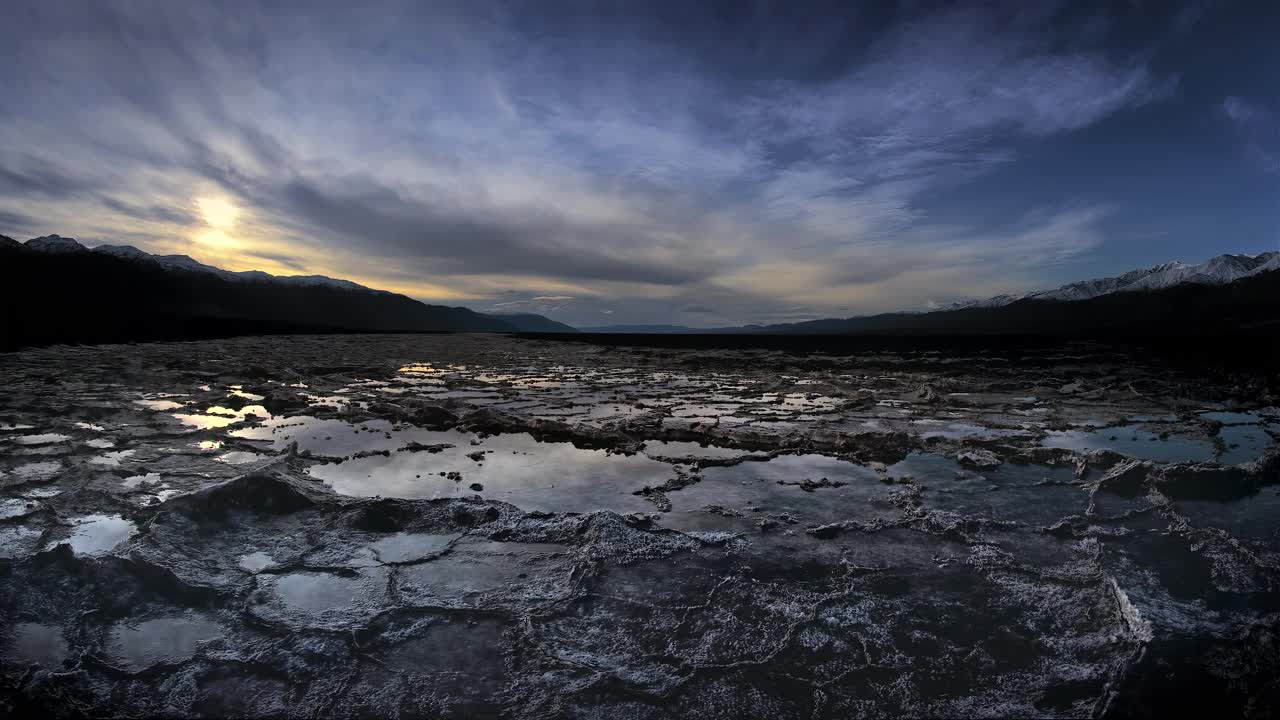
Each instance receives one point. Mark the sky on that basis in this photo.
(706, 163)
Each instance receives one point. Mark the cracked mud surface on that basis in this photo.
(469, 526)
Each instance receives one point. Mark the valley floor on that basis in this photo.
(470, 525)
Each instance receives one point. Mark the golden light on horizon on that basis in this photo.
(218, 212)
(216, 238)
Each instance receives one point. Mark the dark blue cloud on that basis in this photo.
(725, 161)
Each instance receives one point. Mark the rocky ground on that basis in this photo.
(463, 526)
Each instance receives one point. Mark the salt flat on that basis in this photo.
(481, 525)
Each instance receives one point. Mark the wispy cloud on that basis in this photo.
(1259, 130)
(499, 154)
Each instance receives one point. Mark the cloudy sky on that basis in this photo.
(698, 163)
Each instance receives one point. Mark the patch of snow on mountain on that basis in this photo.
(991, 302)
(124, 252)
(1271, 264)
(319, 280)
(55, 245)
(1219, 270)
(184, 262)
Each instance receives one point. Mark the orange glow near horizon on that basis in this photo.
(216, 238)
(221, 244)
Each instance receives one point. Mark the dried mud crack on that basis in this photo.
(463, 526)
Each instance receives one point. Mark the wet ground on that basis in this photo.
(463, 526)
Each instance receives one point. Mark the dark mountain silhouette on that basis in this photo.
(1229, 294)
(652, 329)
(530, 322)
(1250, 305)
(56, 290)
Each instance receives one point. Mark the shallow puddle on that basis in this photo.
(28, 643)
(514, 468)
(316, 592)
(220, 417)
(678, 449)
(139, 645)
(1243, 443)
(239, 457)
(1034, 494)
(929, 429)
(1232, 418)
(327, 437)
(41, 439)
(98, 534)
(408, 547)
(158, 405)
(1133, 442)
(321, 599)
(256, 562)
(838, 490)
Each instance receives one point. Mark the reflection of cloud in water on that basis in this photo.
(683, 449)
(220, 417)
(519, 470)
(1244, 443)
(158, 405)
(1232, 418)
(97, 534)
(238, 457)
(329, 437)
(1134, 442)
(169, 640)
(41, 439)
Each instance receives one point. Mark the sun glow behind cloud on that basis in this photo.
(216, 238)
(220, 215)
(669, 170)
(218, 212)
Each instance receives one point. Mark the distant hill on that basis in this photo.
(1248, 305)
(529, 322)
(56, 290)
(1226, 294)
(1219, 270)
(643, 329)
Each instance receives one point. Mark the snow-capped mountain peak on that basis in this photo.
(1218, 270)
(61, 245)
(320, 280)
(55, 245)
(186, 262)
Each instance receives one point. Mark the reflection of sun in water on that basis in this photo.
(217, 212)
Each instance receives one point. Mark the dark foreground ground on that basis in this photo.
(466, 526)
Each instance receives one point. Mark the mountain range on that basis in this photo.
(57, 290)
(1225, 294)
(1219, 270)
